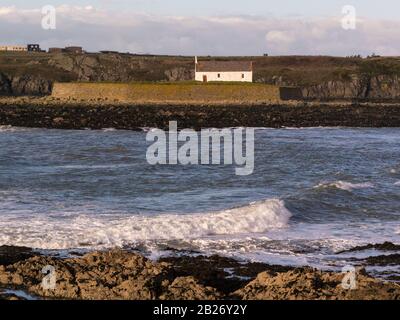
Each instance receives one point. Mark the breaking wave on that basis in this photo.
(344, 185)
(8, 129)
(102, 231)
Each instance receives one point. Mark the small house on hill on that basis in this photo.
(233, 71)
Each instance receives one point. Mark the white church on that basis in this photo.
(233, 71)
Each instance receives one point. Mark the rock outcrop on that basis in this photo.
(357, 86)
(122, 275)
(119, 68)
(377, 87)
(104, 275)
(179, 74)
(26, 85)
(5, 85)
(10, 254)
(310, 284)
(37, 76)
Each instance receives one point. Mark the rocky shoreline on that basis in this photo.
(51, 113)
(124, 275)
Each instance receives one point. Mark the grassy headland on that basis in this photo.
(319, 76)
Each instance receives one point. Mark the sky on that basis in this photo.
(207, 27)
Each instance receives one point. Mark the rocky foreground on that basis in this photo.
(118, 274)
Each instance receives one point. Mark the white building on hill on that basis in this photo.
(236, 71)
(13, 48)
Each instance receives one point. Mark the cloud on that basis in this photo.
(279, 37)
(6, 10)
(97, 29)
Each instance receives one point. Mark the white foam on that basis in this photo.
(8, 128)
(70, 231)
(20, 293)
(310, 128)
(397, 183)
(99, 166)
(344, 185)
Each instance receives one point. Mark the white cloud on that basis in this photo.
(278, 37)
(6, 10)
(96, 29)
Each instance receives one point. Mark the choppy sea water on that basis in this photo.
(313, 193)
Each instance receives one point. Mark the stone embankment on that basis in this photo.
(148, 93)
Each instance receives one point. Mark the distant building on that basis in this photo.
(55, 50)
(109, 52)
(34, 48)
(76, 50)
(13, 48)
(235, 71)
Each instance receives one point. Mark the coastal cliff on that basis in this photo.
(319, 77)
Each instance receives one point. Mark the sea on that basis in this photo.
(314, 193)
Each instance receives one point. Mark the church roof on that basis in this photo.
(224, 66)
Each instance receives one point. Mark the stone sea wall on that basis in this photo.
(167, 92)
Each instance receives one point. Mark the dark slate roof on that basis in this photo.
(223, 66)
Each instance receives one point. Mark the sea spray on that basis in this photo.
(94, 231)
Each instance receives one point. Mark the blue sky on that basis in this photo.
(389, 9)
(207, 27)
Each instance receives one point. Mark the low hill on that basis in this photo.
(320, 77)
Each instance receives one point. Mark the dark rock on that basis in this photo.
(30, 86)
(386, 246)
(11, 254)
(382, 260)
(9, 296)
(224, 274)
(75, 115)
(179, 74)
(5, 85)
